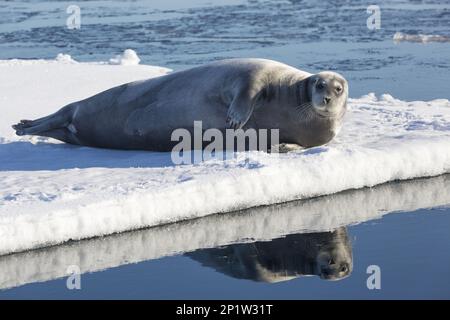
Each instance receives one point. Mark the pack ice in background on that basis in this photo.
(397, 128)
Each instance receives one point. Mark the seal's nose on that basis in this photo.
(326, 100)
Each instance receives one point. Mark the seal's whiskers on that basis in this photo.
(305, 111)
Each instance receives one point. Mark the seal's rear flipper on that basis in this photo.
(60, 119)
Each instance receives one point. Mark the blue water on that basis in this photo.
(411, 249)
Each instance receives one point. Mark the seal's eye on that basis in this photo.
(338, 89)
(320, 85)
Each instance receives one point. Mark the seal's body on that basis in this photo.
(236, 93)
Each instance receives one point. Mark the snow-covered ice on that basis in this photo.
(52, 192)
(128, 58)
(423, 38)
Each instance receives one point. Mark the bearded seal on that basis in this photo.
(307, 109)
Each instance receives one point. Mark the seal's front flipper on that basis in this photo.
(285, 148)
(240, 110)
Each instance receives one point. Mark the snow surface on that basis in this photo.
(52, 192)
(256, 224)
(128, 58)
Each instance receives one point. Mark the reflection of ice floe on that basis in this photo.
(265, 223)
(422, 38)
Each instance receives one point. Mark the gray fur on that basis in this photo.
(235, 93)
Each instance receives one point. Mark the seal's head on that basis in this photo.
(329, 92)
(334, 261)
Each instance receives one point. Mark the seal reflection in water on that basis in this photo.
(324, 254)
(258, 94)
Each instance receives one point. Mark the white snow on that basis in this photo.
(128, 58)
(62, 57)
(51, 192)
(423, 38)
